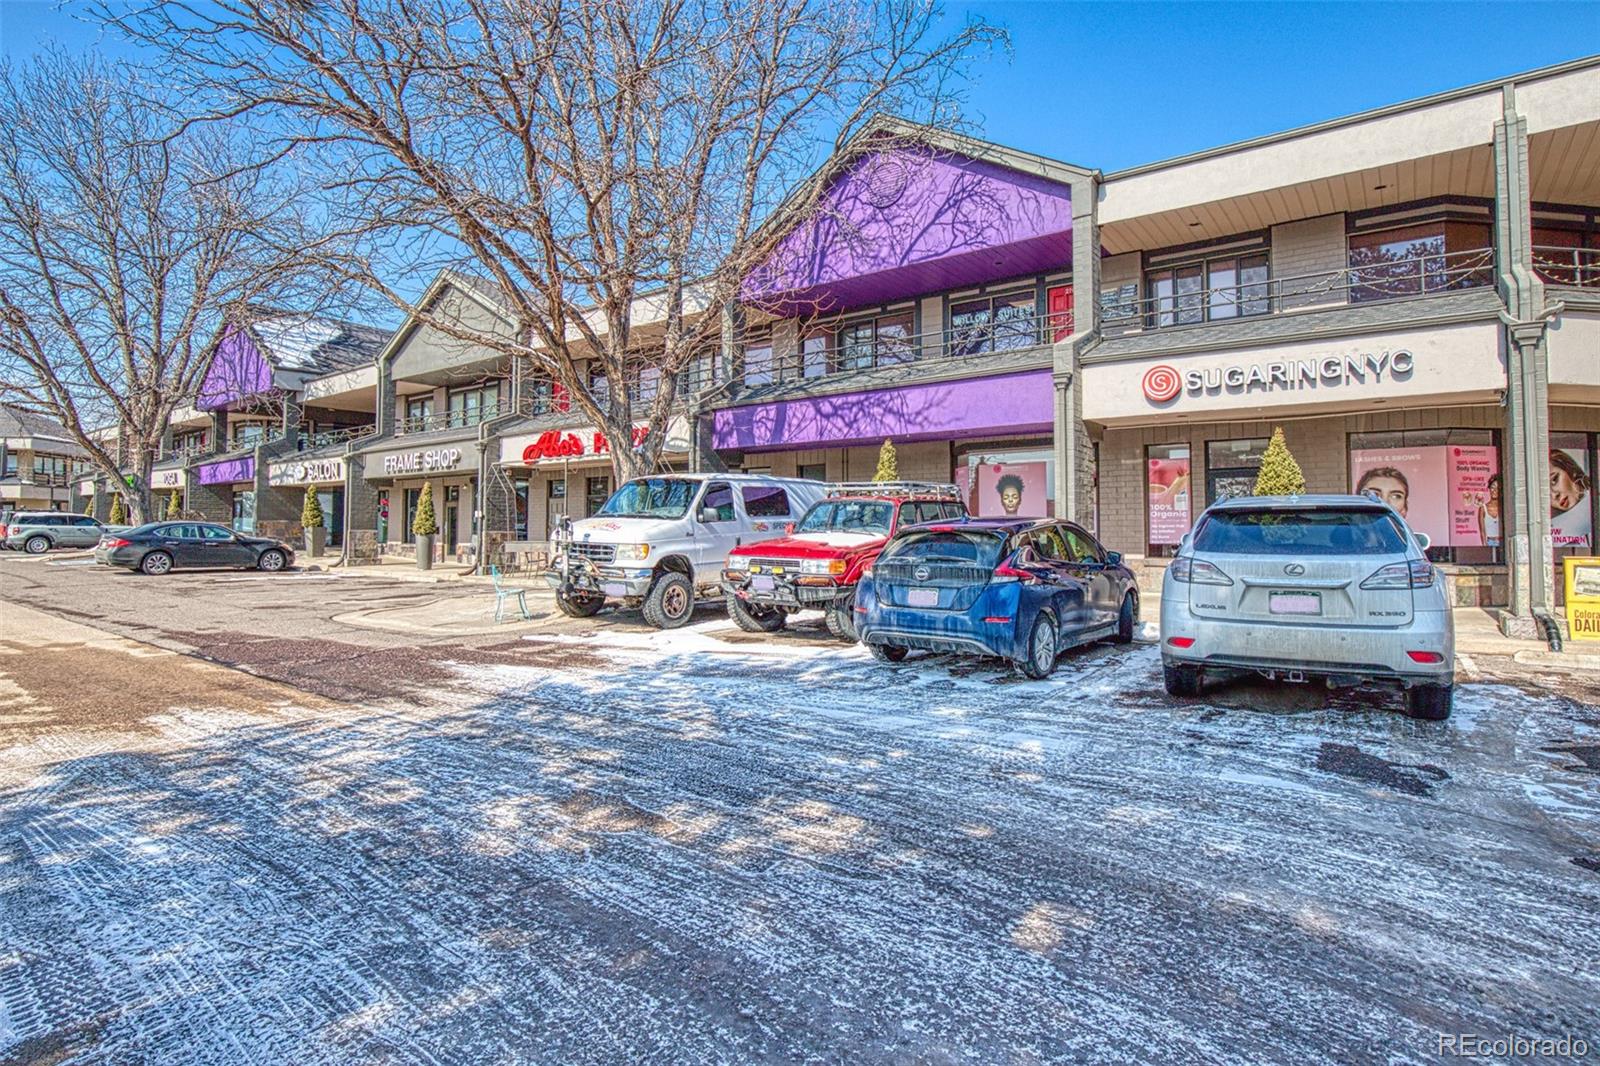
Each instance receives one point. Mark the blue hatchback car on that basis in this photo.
(1023, 589)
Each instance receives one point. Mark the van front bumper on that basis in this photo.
(615, 582)
(1356, 652)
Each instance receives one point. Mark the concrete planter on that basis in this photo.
(316, 541)
(425, 551)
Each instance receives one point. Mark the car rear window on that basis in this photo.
(1280, 532)
(974, 548)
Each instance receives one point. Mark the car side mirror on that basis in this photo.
(708, 515)
(1113, 558)
(1423, 540)
(788, 527)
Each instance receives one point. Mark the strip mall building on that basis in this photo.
(1412, 294)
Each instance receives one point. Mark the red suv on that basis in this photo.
(818, 564)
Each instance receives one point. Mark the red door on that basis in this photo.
(1060, 307)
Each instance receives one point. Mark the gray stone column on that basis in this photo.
(1526, 479)
(733, 330)
(1074, 480)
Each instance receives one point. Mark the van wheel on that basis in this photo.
(1040, 660)
(670, 601)
(579, 606)
(839, 617)
(754, 619)
(37, 545)
(1182, 681)
(887, 653)
(1430, 702)
(156, 563)
(1125, 622)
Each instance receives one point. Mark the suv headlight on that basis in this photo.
(833, 567)
(632, 553)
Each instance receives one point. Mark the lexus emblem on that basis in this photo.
(921, 573)
(1294, 569)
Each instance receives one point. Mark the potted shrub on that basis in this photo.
(173, 509)
(119, 512)
(888, 463)
(314, 523)
(1280, 475)
(424, 526)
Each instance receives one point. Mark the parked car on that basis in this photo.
(819, 563)
(162, 546)
(1023, 589)
(659, 542)
(36, 532)
(1294, 588)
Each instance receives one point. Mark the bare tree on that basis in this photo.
(573, 156)
(125, 241)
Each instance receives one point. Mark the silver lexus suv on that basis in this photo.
(1300, 587)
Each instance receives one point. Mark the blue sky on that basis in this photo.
(1115, 85)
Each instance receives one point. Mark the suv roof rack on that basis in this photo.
(935, 489)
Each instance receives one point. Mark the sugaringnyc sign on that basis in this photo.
(1164, 384)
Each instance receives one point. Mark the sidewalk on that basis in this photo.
(396, 567)
(459, 614)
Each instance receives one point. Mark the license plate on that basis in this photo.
(762, 583)
(1295, 603)
(614, 588)
(922, 597)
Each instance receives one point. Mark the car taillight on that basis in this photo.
(1181, 642)
(1005, 573)
(1425, 656)
(1412, 574)
(117, 542)
(1194, 571)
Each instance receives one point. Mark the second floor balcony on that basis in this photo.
(1575, 268)
(459, 418)
(1188, 300)
(887, 342)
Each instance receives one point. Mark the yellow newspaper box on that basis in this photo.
(1583, 597)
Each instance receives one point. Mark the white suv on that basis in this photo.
(1301, 587)
(661, 541)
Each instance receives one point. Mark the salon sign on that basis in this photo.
(306, 472)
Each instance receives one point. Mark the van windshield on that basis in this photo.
(848, 516)
(1281, 532)
(651, 497)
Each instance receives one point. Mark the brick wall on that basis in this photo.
(1311, 246)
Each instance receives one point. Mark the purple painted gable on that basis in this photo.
(902, 223)
(1006, 403)
(237, 371)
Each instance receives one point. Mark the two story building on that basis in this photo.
(1410, 293)
(39, 462)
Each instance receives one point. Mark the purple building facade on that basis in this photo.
(919, 303)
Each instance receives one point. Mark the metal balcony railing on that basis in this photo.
(186, 452)
(1360, 283)
(40, 477)
(459, 419)
(1573, 267)
(323, 438)
(834, 352)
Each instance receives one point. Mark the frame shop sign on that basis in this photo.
(306, 471)
(424, 462)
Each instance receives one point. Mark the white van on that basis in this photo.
(659, 542)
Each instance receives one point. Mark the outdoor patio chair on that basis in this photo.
(502, 593)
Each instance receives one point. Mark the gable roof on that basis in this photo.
(313, 344)
(16, 422)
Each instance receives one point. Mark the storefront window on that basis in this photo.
(997, 484)
(1412, 260)
(419, 412)
(249, 434)
(412, 496)
(1572, 498)
(758, 363)
(596, 492)
(1167, 497)
(1445, 483)
(814, 471)
(244, 512)
(1211, 289)
(519, 488)
(468, 407)
(882, 341)
(1232, 467)
(994, 324)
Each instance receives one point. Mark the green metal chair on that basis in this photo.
(502, 593)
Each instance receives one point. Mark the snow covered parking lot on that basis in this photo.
(612, 846)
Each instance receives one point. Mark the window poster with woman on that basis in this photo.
(1571, 486)
(1012, 489)
(1449, 492)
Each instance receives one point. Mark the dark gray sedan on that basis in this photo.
(162, 546)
